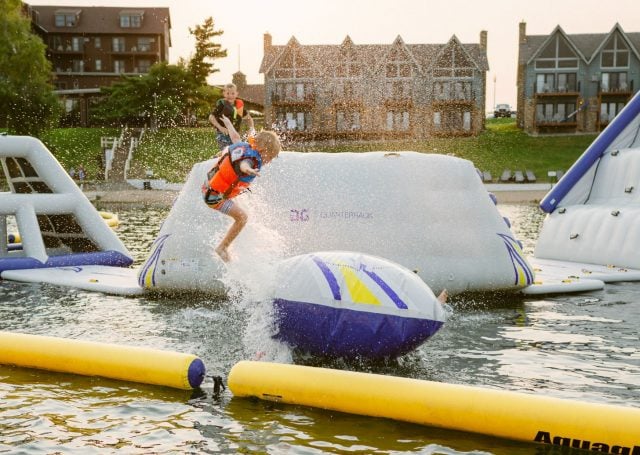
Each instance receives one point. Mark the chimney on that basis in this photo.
(523, 32)
(483, 40)
(240, 80)
(267, 41)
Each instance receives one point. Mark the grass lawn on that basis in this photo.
(502, 146)
(171, 153)
(75, 146)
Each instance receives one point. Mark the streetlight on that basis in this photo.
(494, 90)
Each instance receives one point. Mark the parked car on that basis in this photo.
(502, 110)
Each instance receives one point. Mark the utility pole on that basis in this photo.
(494, 90)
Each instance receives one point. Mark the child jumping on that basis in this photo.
(238, 165)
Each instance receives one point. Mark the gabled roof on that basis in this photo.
(551, 36)
(616, 28)
(480, 59)
(399, 42)
(587, 45)
(103, 19)
(372, 55)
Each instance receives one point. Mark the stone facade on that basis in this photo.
(375, 91)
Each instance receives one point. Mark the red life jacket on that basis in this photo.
(225, 180)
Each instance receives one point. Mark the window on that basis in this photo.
(144, 44)
(347, 121)
(545, 82)
(66, 19)
(76, 43)
(437, 120)
(130, 20)
(118, 66)
(614, 82)
(608, 111)
(118, 44)
(557, 54)
(56, 43)
(397, 121)
(98, 65)
(615, 53)
(398, 89)
(555, 113)
(299, 121)
(70, 104)
(144, 65)
(78, 66)
(466, 121)
(97, 42)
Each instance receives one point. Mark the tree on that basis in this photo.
(206, 49)
(165, 97)
(26, 93)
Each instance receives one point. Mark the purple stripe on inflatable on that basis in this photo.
(386, 288)
(331, 279)
(111, 258)
(591, 155)
(339, 332)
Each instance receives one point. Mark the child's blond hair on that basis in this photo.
(231, 85)
(269, 142)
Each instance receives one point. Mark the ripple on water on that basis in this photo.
(583, 346)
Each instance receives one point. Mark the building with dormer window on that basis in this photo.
(575, 83)
(92, 46)
(375, 91)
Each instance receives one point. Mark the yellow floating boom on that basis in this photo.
(524, 417)
(128, 363)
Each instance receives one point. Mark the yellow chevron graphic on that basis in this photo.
(359, 291)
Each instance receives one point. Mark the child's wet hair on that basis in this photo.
(269, 142)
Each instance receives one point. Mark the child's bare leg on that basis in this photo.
(239, 220)
(442, 298)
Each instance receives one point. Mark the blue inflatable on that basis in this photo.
(349, 305)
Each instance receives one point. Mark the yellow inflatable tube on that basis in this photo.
(128, 363)
(110, 218)
(512, 415)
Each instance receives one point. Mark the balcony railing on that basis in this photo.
(547, 89)
(67, 49)
(293, 100)
(621, 88)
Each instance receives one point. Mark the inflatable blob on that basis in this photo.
(128, 363)
(427, 212)
(58, 226)
(349, 304)
(551, 421)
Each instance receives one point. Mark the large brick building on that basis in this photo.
(371, 91)
(92, 46)
(575, 83)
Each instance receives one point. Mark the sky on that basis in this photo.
(380, 22)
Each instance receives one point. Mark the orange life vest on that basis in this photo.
(225, 180)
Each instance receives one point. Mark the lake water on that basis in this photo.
(581, 346)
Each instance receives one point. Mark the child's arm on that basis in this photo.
(233, 134)
(246, 168)
(216, 124)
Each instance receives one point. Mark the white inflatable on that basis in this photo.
(594, 211)
(429, 213)
(349, 304)
(57, 224)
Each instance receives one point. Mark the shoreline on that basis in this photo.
(506, 193)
